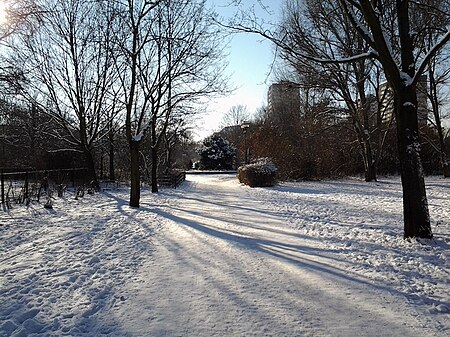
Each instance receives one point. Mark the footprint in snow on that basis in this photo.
(94, 260)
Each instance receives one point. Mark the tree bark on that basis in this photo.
(415, 205)
(370, 169)
(400, 77)
(135, 191)
(91, 168)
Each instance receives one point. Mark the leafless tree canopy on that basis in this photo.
(109, 69)
(351, 43)
(235, 116)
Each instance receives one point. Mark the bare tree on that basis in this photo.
(190, 61)
(260, 115)
(314, 28)
(176, 132)
(133, 55)
(231, 129)
(16, 14)
(439, 78)
(69, 70)
(167, 59)
(386, 29)
(235, 116)
(402, 72)
(429, 25)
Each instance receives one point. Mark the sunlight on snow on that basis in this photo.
(3, 14)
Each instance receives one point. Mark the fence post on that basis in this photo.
(73, 177)
(2, 178)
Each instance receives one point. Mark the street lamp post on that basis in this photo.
(244, 126)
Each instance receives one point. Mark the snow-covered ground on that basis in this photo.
(215, 258)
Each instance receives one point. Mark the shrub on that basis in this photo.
(261, 173)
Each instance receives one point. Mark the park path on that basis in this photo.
(225, 264)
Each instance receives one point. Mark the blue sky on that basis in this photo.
(249, 61)
(250, 58)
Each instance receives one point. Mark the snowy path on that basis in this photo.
(226, 265)
(215, 258)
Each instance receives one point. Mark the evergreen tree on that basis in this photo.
(216, 154)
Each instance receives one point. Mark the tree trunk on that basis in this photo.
(154, 151)
(87, 151)
(135, 191)
(112, 175)
(415, 205)
(445, 165)
(91, 168)
(168, 158)
(102, 166)
(370, 164)
(154, 170)
(364, 112)
(370, 173)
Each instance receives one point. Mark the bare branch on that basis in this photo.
(432, 52)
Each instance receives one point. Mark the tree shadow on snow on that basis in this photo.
(271, 248)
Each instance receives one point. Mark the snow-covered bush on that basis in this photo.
(261, 173)
(216, 154)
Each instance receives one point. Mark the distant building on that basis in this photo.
(387, 101)
(283, 103)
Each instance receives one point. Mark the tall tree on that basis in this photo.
(385, 26)
(231, 129)
(372, 21)
(236, 115)
(429, 25)
(313, 28)
(134, 55)
(168, 59)
(69, 70)
(190, 60)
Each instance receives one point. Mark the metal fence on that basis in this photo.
(32, 185)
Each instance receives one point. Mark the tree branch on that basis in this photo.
(430, 54)
(280, 44)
